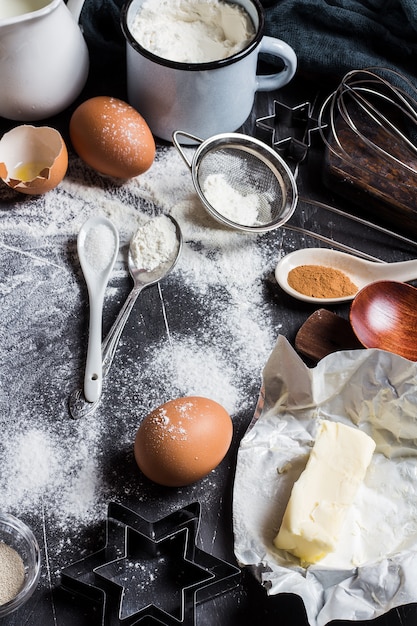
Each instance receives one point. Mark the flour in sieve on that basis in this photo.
(238, 207)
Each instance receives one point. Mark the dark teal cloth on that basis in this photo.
(100, 22)
(331, 37)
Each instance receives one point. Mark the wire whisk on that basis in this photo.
(377, 109)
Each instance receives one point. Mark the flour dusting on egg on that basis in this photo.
(176, 428)
(112, 137)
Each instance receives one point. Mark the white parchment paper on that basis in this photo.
(375, 566)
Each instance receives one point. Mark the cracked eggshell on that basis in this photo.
(33, 159)
(112, 137)
(183, 440)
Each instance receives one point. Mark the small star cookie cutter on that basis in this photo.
(149, 572)
(290, 130)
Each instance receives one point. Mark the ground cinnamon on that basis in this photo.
(319, 281)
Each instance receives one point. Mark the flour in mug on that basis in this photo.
(192, 31)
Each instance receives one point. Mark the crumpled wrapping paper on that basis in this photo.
(374, 568)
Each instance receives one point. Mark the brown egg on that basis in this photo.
(112, 137)
(183, 440)
(33, 159)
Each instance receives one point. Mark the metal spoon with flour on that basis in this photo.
(142, 278)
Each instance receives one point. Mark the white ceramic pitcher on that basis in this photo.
(44, 59)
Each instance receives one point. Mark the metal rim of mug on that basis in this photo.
(193, 66)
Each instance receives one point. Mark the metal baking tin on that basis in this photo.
(149, 572)
(290, 130)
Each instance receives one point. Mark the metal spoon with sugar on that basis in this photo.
(360, 271)
(142, 278)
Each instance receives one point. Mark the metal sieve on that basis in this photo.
(251, 171)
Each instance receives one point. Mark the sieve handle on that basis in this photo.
(178, 147)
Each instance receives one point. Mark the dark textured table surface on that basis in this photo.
(206, 330)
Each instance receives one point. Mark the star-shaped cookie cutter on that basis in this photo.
(290, 130)
(149, 572)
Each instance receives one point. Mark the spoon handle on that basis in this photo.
(111, 341)
(402, 271)
(78, 405)
(93, 368)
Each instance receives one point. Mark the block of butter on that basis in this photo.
(326, 489)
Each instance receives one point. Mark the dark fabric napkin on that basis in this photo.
(100, 23)
(331, 37)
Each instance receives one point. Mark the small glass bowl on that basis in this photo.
(18, 536)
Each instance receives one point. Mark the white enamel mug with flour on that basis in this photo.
(202, 99)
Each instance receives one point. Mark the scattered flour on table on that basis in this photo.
(49, 463)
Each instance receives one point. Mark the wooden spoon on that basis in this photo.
(384, 315)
